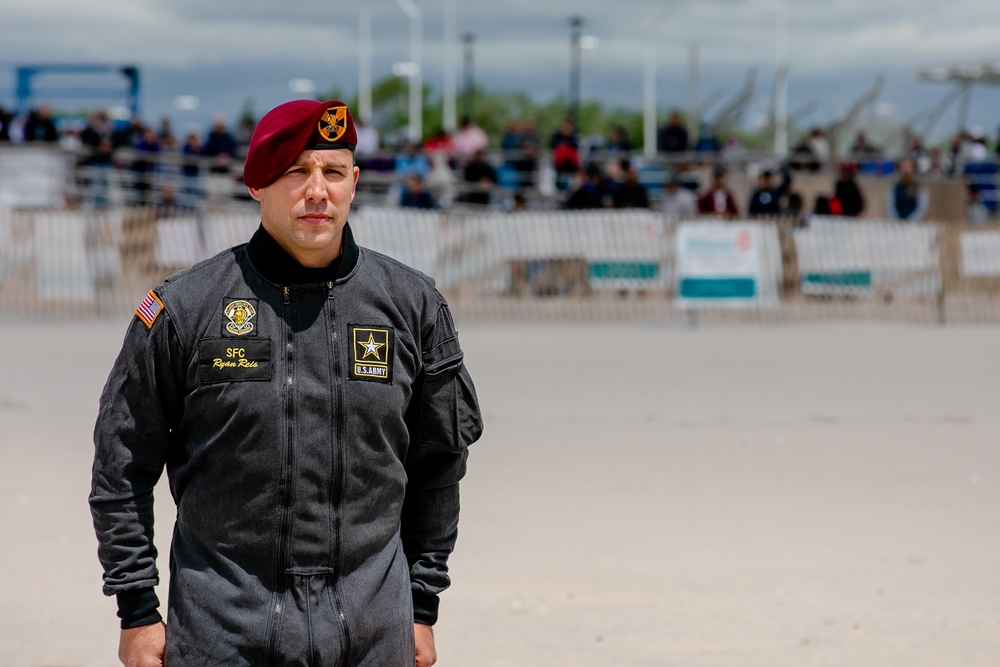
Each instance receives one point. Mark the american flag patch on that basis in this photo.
(149, 309)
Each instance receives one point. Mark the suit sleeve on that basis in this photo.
(140, 403)
(445, 421)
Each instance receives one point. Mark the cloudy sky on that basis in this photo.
(224, 52)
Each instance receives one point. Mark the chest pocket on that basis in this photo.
(230, 360)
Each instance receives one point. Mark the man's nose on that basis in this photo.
(316, 186)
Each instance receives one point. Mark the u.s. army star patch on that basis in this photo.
(371, 353)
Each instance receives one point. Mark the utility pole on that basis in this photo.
(575, 56)
(468, 41)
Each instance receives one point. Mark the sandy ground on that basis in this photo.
(732, 497)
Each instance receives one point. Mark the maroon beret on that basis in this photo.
(290, 128)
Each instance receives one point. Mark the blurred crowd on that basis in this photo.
(522, 169)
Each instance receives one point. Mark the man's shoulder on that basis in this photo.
(390, 266)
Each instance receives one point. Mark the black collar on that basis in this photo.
(277, 266)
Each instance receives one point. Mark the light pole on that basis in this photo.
(649, 87)
(576, 25)
(416, 78)
(365, 62)
(450, 110)
(780, 11)
(468, 40)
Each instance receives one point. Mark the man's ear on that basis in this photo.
(254, 192)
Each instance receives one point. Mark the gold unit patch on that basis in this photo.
(333, 124)
(240, 314)
(371, 356)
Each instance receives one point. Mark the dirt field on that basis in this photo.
(795, 496)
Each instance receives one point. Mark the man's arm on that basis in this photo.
(445, 420)
(137, 407)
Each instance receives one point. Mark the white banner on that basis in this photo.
(980, 253)
(838, 256)
(727, 264)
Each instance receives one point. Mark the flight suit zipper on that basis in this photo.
(280, 577)
(340, 476)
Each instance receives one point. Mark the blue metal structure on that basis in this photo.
(27, 73)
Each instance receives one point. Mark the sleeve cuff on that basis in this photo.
(138, 608)
(425, 608)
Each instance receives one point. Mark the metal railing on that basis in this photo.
(600, 265)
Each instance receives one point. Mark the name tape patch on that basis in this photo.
(228, 360)
(372, 348)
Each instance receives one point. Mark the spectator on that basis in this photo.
(708, 141)
(766, 199)
(125, 136)
(589, 192)
(718, 200)
(619, 141)
(95, 166)
(469, 138)
(819, 146)
(414, 194)
(439, 141)
(368, 138)
(678, 201)
(412, 161)
(6, 121)
(40, 127)
(827, 206)
(565, 146)
(96, 130)
(672, 137)
(166, 133)
(441, 181)
(481, 177)
(631, 193)
(907, 200)
(147, 145)
(511, 139)
(862, 149)
(220, 145)
(976, 212)
(191, 153)
(847, 192)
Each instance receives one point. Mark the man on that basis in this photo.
(309, 401)
(718, 200)
(765, 201)
(907, 200)
(678, 201)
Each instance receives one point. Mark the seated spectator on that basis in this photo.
(619, 141)
(414, 194)
(976, 212)
(819, 146)
(678, 201)
(220, 145)
(708, 141)
(441, 181)
(672, 137)
(511, 139)
(718, 200)
(565, 146)
(631, 193)
(766, 199)
(439, 141)
(907, 200)
(40, 127)
(589, 191)
(481, 177)
(469, 138)
(847, 192)
(6, 121)
(827, 206)
(412, 161)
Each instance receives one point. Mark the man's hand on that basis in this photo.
(423, 637)
(144, 646)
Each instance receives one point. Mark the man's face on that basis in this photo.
(305, 210)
